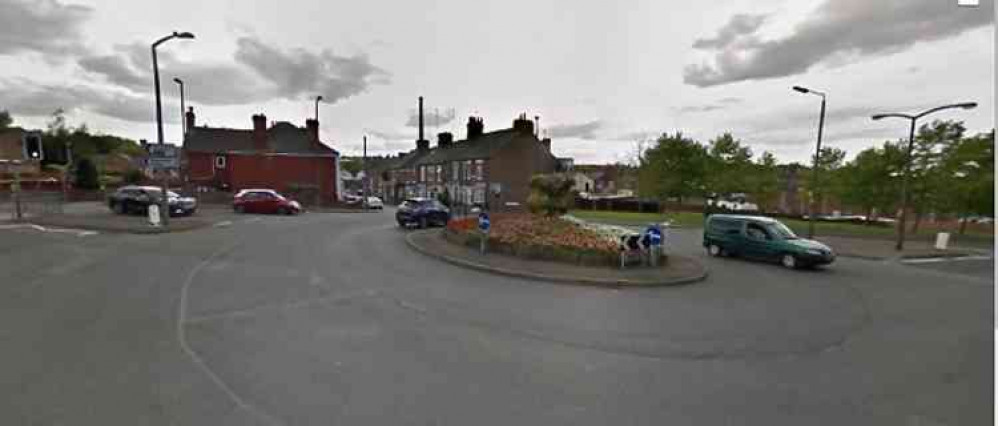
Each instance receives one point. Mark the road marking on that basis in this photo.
(944, 259)
(182, 338)
(222, 223)
(39, 228)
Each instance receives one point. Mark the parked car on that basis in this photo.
(352, 199)
(375, 203)
(762, 238)
(136, 199)
(264, 201)
(422, 212)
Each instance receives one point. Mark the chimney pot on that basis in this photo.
(445, 139)
(312, 131)
(476, 127)
(189, 119)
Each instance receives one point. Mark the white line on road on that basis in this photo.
(223, 223)
(945, 259)
(39, 228)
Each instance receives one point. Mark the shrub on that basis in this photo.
(551, 194)
(86, 174)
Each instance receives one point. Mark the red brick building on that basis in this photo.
(284, 157)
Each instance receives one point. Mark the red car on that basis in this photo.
(264, 201)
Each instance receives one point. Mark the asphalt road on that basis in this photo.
(330, 319)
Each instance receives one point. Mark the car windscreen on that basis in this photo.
(780, 231)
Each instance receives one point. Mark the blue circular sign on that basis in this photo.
(483, 221)
(654, 236)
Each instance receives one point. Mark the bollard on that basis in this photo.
(942, 240)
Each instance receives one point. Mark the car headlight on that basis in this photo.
(295, 204)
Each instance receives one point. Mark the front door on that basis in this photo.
(758, 242)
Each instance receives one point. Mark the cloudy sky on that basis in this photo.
(600, 75)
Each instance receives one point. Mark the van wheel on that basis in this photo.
(789, 261)
(715, 250)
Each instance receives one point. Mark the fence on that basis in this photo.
(31, 203)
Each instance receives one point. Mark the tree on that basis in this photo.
(133, 176)
(829, 182)
(763, 181)
(927, 181)
(967, 177)
(551, 194)
(728, 161)
(673, 167)
(86, 174)
(351, 165)
(6, 121)
(866, 181)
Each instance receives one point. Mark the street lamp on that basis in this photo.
(164, 213)
(183, 124)
(817, 156)
(907, 158)
(317, 100)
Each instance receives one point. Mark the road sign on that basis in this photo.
(163, 157)
(483, 222)
(654, 236)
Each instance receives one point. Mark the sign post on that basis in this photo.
(484, 224)
(653, 238)
(164, 159)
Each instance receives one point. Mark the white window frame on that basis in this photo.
(220, 161)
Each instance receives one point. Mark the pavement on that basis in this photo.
(332, 319)
(676, 270)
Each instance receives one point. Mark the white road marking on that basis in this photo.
(945, 259)
(182, 338)
(223, 223)
(39, 228)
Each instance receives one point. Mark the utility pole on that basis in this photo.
(363, 169)
(164, 204)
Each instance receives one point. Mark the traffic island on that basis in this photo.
(585, 270)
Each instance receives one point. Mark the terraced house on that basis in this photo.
(489, 169)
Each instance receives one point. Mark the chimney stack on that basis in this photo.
(260, 132)
(312, 131)
(476, 127)
(546, 142)
(445, 139)
(523, 126)
(421, 144)
(189, 120)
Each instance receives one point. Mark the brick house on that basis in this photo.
(486, 168)
(12, 149)
(283, 157)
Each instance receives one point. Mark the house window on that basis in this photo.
(478, 170)
(466, 170)
(422, 173)
(220, 161)
(439, 173)
(455, 170)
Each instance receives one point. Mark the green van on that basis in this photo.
(762, 238)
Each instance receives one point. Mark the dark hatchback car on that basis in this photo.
(422, 212)
(762, 238)
(136, 199)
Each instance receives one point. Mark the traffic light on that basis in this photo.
(32, 144)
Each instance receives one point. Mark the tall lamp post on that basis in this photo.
(817, 156)
(164, 212)
(183, 107)
(907, 159)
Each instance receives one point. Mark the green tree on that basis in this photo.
(86, 174)
(763, 181)
(674, 167)
(928, 180)
(866, 181)
(551, 194)
(352, 165)
(727, 164)
(829, 177)
(133, 176)
(6, 121)
(967, 177)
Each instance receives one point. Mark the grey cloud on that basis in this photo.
(839, 29)
(27, 99)
(41, 26)
(391, 135)
(298, 72)
(431, 118)
(585, 130)
(740, 25)
(718, 105)
(208, 83)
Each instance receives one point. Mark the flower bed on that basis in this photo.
(537, 237)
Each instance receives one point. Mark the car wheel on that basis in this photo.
(239, 209)
(789, 261)
(715, 250)
(282, 211)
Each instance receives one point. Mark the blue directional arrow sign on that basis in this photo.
(483, 222)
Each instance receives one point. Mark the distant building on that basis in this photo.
(583, 183)
(283, 157)
(12, 142)
(486, 168)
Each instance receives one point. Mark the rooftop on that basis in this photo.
(283, 137)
